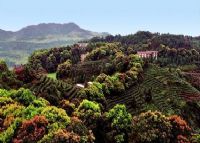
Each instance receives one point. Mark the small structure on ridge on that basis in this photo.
(148, 54)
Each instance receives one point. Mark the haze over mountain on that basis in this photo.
(16, 46)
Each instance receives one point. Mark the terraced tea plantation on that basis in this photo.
(168, 92)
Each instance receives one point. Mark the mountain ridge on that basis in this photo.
(16, 46)
(46, 29)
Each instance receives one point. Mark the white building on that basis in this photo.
(148, 54)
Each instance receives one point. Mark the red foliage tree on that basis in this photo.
(19, 72)
(31, 130)
(65, 136)
(182, 139)
(180, 129)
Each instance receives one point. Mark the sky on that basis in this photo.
(113, 16)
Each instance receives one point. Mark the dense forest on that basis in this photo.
(105, 92)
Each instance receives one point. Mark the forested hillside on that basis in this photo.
(105, 92)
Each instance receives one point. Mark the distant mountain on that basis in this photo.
(16, 46)
(50, 31)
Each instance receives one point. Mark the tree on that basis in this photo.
(120, 123)
(179, 128)
(150, 127)
(89, 112)
(31, 130)
(120, 118)
(63, 70)
(3, 66)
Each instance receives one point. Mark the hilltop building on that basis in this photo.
(148, 54)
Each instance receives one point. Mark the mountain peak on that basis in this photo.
(50, 25)
(43, 31)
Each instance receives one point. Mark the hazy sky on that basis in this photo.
(114, 16)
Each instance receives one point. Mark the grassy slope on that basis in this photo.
(52, 75)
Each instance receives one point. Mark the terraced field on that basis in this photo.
(193, 77)
(54, 90)
(86, 71)
(169, 93)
